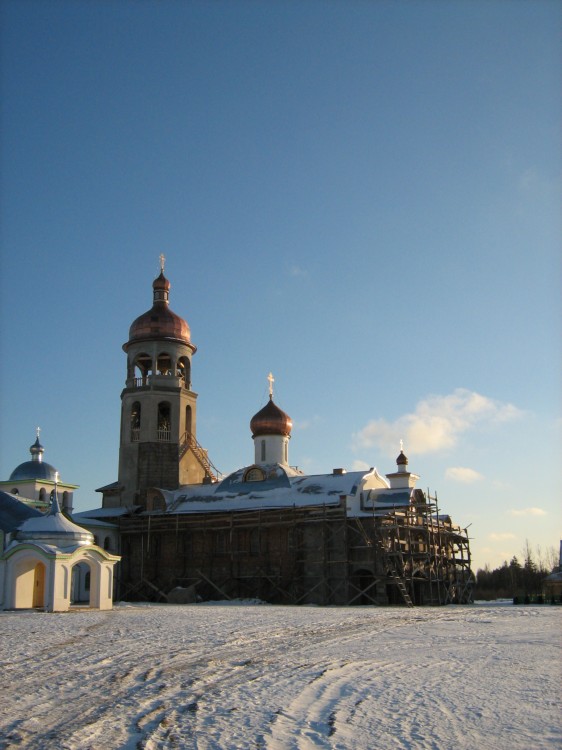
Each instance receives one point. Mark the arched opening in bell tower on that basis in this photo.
(135, 421)
(184, 371)
(164, 422)
(188, 420)
(142, 368)
(164, 364)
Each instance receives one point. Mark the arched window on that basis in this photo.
(107, 543)
(135, 422)
(263, 450)
(164, 422)
(164, 364)
(184, 371)
(254, 474)
(142, 368)
(42, 495)
(188, 416)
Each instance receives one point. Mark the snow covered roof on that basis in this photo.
(281, 489)
(92, 521)
(104, 513)
(13, 512)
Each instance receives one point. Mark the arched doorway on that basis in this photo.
(81, 584)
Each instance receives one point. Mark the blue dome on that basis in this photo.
(33, 470)
(36, 468)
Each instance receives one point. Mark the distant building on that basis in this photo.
(266, 530)
(33, 482)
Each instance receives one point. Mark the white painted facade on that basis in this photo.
(48, 562)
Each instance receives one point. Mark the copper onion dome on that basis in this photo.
(402, 460)
(160, 322)
(271, 420)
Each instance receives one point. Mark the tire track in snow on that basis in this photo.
(135, 688)
(248, 678)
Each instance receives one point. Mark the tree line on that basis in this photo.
(518, 578)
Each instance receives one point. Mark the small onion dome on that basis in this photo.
(402, 460)
(37, 449)
(271, 420)
(160, 322)
(161, 283)
(36, 468)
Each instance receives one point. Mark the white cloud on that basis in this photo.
(360, 466)
(463, 474)
(436, 423)
(306, 424)
(501, 537)
(527, 512)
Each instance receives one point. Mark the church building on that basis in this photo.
(267, 530)
(46, 560)
(49, 562)
(33, 482)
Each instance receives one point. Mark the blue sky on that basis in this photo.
(362, 197)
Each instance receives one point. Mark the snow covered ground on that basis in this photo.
(282, 678)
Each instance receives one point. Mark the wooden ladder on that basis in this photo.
(395, 579)
(188, 442)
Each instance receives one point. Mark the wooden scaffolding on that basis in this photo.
(300, 555)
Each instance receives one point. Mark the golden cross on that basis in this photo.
(271, 381)
(162, 260)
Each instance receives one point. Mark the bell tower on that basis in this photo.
(158, 443)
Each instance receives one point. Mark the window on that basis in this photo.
(142, 368)
(164, 364)
(135, 422)
(188, 416)
(164, 423)
(184, 371)
(254, 475)
(263, 450)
